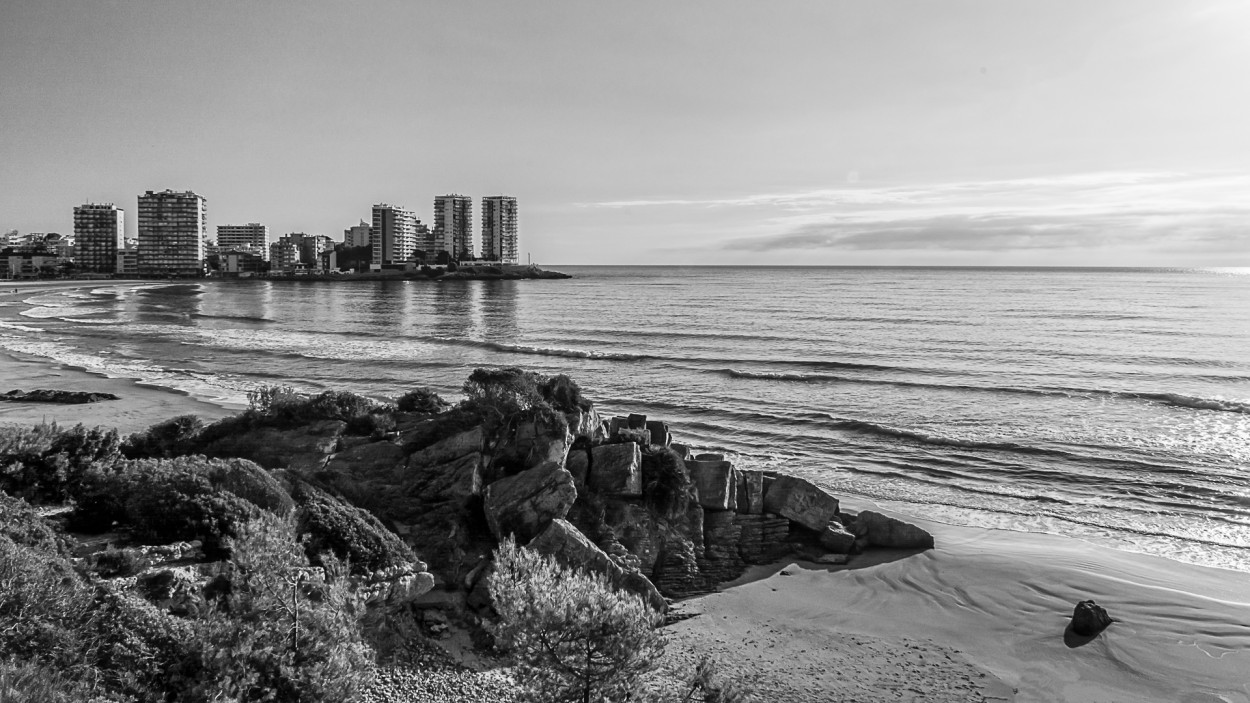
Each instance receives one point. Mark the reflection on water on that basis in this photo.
(170, 305)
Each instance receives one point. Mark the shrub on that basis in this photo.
(138, 649)
(374, 424)
(281, 406)
(166, 439)
(22, 524)
(99, 501)
(564, 394)
(250, 482)
(572, 636)
(301, 642)
(421, 400)
(31, 682)
(48, 462)
(329, 525)
(41, 599)
(118, 562)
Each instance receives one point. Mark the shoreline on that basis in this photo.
(982, 614)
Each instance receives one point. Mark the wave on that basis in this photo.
(43, 313)
(243, 318)
(542, 351)
(1188, 401)
(15, 326)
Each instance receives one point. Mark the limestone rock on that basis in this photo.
(659, 432)
(837, 539)
(800, 501)
(43, 395)
(1089, 618)
(881, 531)
(378, 459)
(616, 469)
(764, 538)
(454, 447)
(305, 448)
(537, 444)
(455, 480)
(715, 480)
(588, 424)
(578, 464)
(636, 528)
(575, 550)
(525, 503)
(750, 492)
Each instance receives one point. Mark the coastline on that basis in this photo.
(982, 614)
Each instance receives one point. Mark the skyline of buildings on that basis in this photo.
(174, 241)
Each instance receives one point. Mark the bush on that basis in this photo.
(329, 525)
(113, 563)
(166, 439)
(250, 482)
(421, 400)
(375, 424)
(99, 501)
(281, 406)
(564, 394)
(572, 636)
(176, 503)
(301, 642)
(23, 524)
(48, 462)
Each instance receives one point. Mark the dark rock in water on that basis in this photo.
(59, 397)
(526, 503)
(1089, 618)
(880, 531)
(801, 501)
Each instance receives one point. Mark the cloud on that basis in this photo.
(1226, 229)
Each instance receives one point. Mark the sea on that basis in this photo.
(1112, 405)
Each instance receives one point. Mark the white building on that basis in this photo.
(499, 229)
(252, 236)
(393, 234)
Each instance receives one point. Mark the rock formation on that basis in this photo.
(1089, 618)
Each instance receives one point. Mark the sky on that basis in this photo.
(874, 132)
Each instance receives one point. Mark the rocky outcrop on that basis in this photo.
(636, 528)
(721, 536)
(524, 504)
(537, 444)
(446, 450)
(176, 591)
(588, 424)
(1089, 618)
(750, 492)
(715, 481)
(304, 448)
(573, 549)
(458, 479)
(59, 397)
(616, 469)
(879, 530)
(800, 501)
(763, 539)
(375, 459)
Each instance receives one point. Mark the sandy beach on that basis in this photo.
(981, 617)
(140, 406)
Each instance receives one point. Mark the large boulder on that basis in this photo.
(879, 530)
(443, 451)
(304, 448)
(616, 469)
(837, 539)
(1089, 618)
(384, 460)
(525, 503)
(750, 492)
(636, 528)
(537, 443)
(574, 550)
(715, 480)
(659, 432)
(455, 480)
(800, 501)
(588, 424)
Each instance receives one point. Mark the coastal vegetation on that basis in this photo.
(296, 549)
